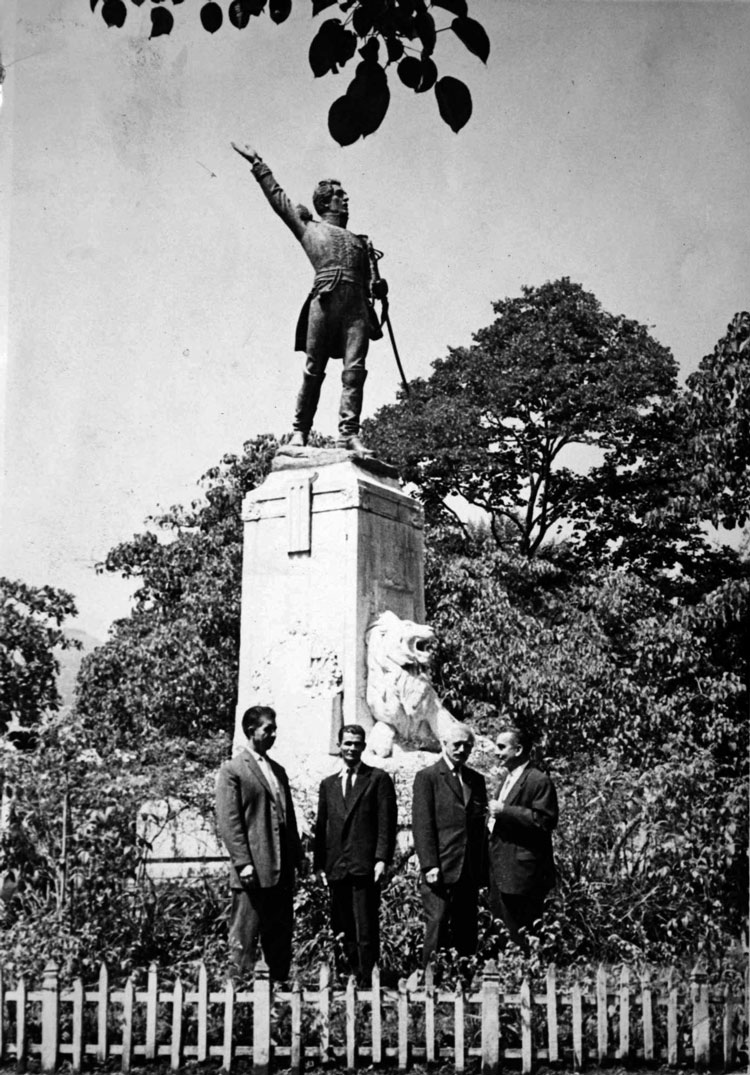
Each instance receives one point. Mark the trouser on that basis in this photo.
(337, 325)
(265, 915)
(451, 916)
(355, 911)
(519, 911)
(350, 407)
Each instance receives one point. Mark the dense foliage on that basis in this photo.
(397, 34)
(629, 663)
(31, 619)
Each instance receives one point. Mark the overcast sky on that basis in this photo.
(150, 304)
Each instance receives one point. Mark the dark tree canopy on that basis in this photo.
(400, 35)
(493, 420)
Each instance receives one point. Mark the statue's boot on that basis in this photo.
(352, 386)
(307, 405)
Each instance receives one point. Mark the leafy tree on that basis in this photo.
(400, 34)
(173, 663)
(31, 620)
(492, 421)
(717, 422)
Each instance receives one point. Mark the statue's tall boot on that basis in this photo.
(352, 386)
(307, 405)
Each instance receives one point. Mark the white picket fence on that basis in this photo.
(599, 1018)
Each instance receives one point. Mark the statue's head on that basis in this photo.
(331, 201)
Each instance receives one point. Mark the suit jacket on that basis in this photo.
(351, 841)
(520, 845)
(447, 831)
(254, 828)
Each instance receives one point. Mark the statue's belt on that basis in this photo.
(329, 279)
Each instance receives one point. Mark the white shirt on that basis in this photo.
(510, 782)
(268, 773)
(354, 770)
(457, 771)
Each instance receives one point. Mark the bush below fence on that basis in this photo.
(598, 1016)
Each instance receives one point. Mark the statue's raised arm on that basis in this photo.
(338, 319)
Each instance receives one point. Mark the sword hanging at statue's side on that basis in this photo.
(380, 291)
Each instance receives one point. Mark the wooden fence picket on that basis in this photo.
(128, 1001)
(175, 1053)
(459, 1038)
(152, 1000)
(640, 1003)
(296, 1052)
(727, 1027)
(351, 1023)
(76, 1037)
(602, 1014)
(701, 1034)
(50, 1018)
(490, 1019)
(623, 1049)
(324, 1007)
(552, 1039)
(376, 1019)
(202, 1013)
(526, 1028)
(22, 1040)
(673, 1045)
(647, 1016)
(429, 1015)
(102, 1015)
(403, 1025)
(576, 1006)
(261, 1021)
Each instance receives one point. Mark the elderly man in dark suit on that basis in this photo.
(449, 810)
(355, 834)
(256, 821)
(521, 819)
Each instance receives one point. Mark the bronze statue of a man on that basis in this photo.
(337, 320)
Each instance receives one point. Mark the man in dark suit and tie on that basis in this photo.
(522, 817)
(256, 821)
(355, 835)
(449, 812)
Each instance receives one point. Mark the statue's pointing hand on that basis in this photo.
(247, 152)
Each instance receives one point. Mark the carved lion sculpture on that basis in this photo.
(402, 700)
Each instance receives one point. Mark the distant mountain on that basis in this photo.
(70, 662)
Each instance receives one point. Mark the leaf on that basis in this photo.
(429, 75)
(321, 5)
(424, 24)
(454, 102)
(370, 96)
(410, 72)
(418, 75)
(395, 47)
(456, 7)
(114, 13)
(279, 10)
(211, 17)
(370, 50)
(322, 54)
(362, 21)
(473, 35)
(239, 14)
(343, 121)
(162, 21)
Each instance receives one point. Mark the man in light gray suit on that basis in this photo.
(256, 821)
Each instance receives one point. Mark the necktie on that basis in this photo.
(348, 786)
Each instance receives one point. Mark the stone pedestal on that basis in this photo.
(330, 542)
